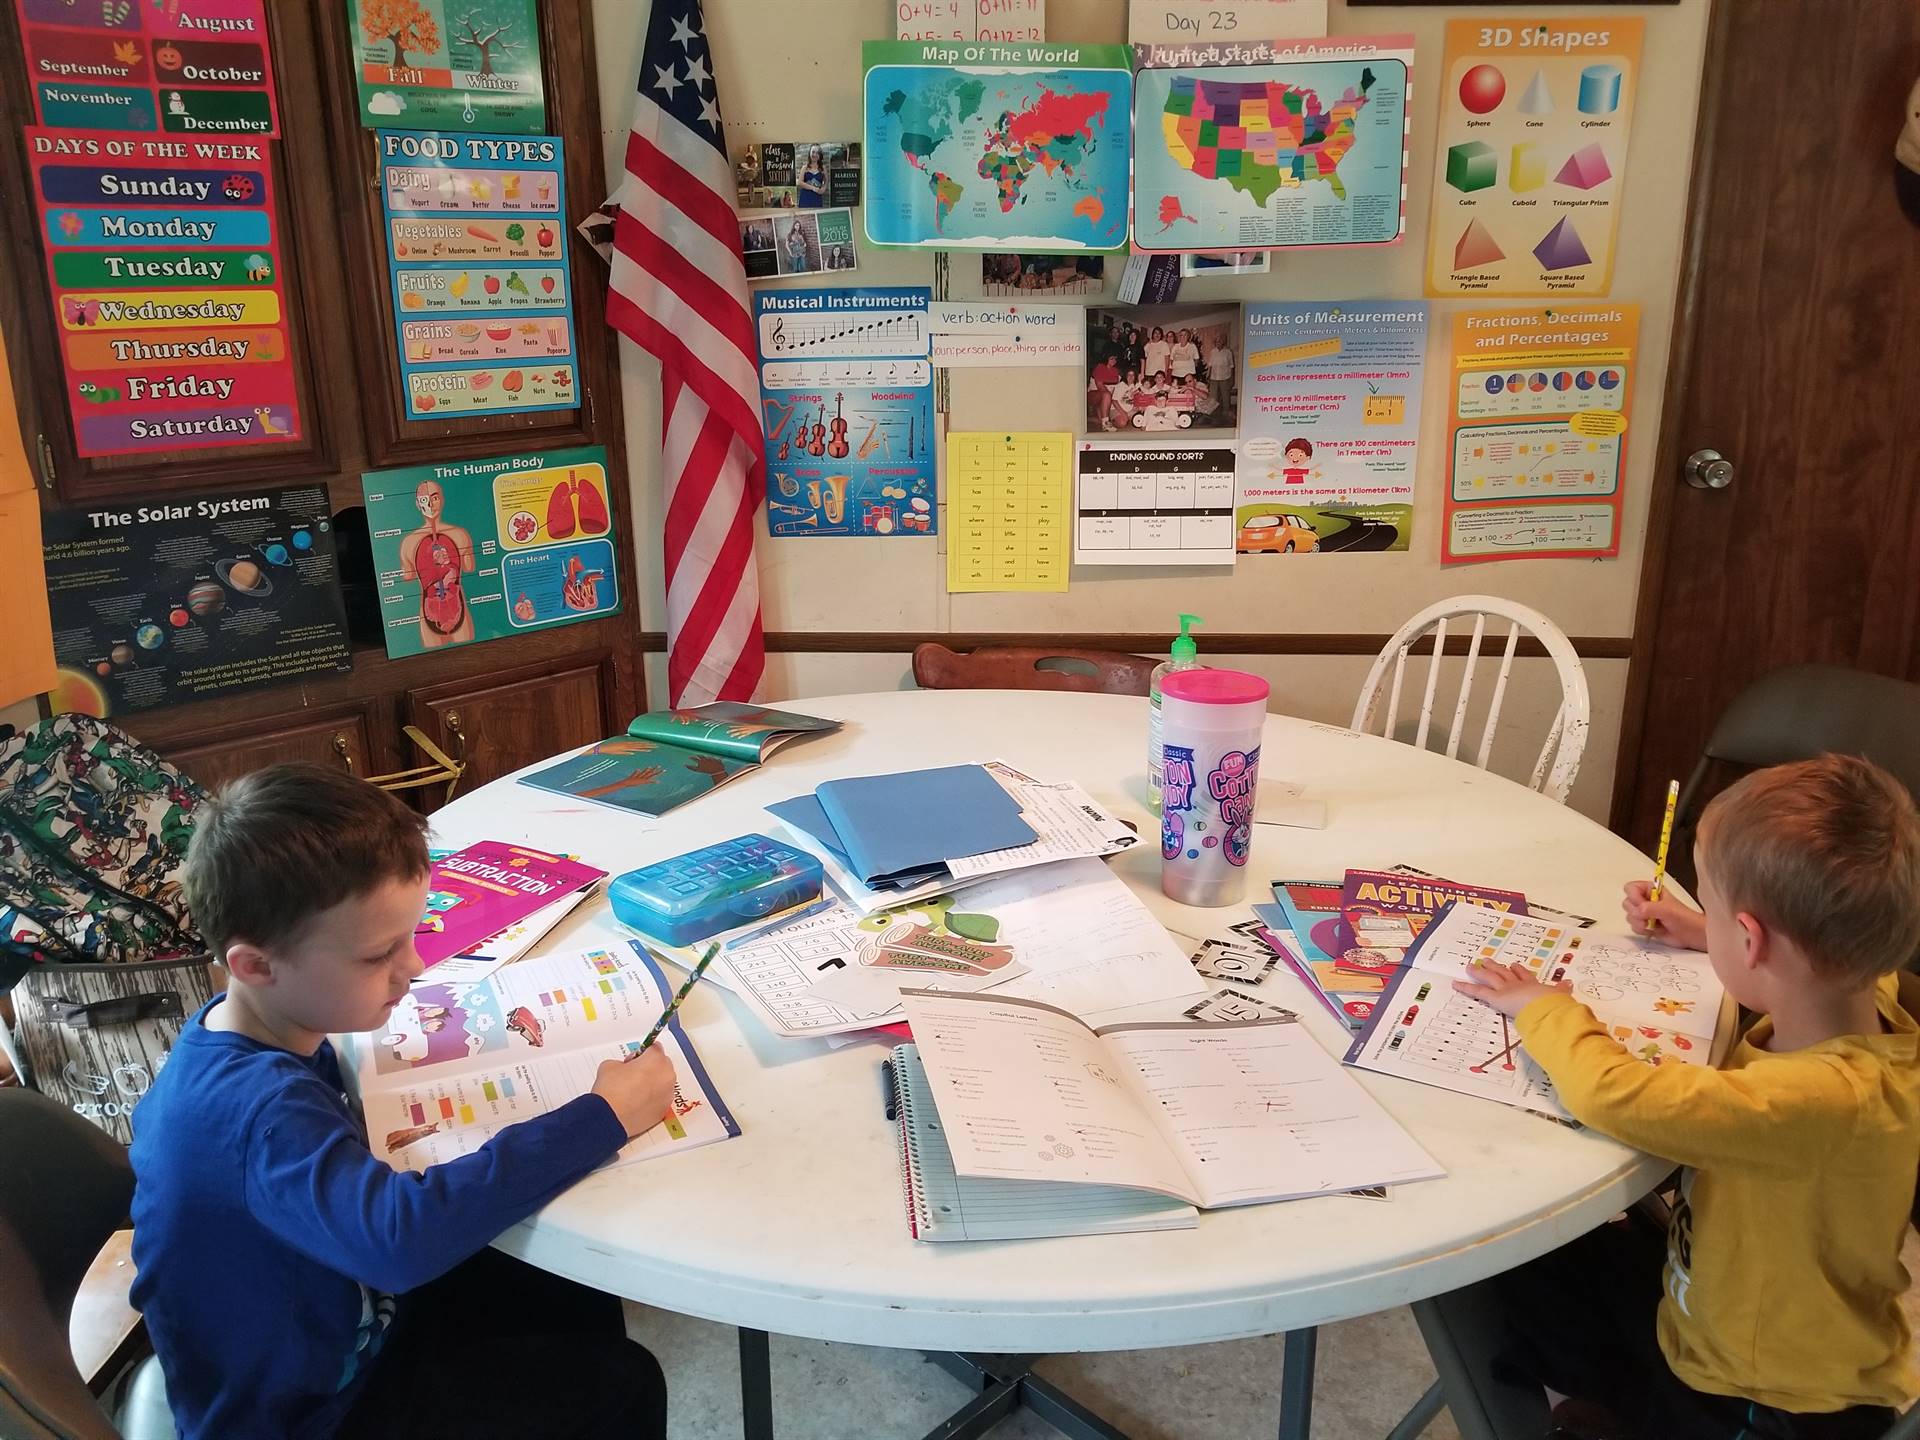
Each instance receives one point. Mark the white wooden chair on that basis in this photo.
(1566, 740)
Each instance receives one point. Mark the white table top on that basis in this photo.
(797, 1227)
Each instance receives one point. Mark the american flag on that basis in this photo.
(678, 289)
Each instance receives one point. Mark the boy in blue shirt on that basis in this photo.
(293, 1284)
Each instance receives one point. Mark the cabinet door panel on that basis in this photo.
(339, 741)
(507, 721)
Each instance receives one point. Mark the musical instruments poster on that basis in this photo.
(846, 396)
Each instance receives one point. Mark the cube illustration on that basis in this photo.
(1471, 166)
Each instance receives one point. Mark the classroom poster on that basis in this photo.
(1141, 503)
(1307, 147)
(482, 291)
(168, 297)
(1532, 153)
(183, 67)
(1330, 424)
(431, 65)
(976, 334)
(471, 550)
(1537, 438)
(846, 396)
(163, 602)
(1008, 496)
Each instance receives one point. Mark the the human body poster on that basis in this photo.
(449, 65)
(476, 549)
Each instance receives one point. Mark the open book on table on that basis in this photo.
(457, 1063)
(1238, 1113)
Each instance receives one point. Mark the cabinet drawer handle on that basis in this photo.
(459, 735)
(340, 749)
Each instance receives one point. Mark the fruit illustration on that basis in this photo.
(517, 285)
(546, 283)
(458, 285)
(491, 284)
(411, 300)
(513, 381)
(545, 235)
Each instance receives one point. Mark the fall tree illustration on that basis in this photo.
(404, 24)
(488, 43)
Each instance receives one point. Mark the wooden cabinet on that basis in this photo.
(508, 720)
(342, 739)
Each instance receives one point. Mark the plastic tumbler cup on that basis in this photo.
(1210, 726)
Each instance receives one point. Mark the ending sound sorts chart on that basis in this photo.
(846, 396)
(482, 295)
(1532, 153)
(167, 291)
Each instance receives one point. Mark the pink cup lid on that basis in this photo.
(1214, 687)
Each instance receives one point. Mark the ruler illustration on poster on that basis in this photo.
(1330, 423)
(168, 297)
(182, 67)
(997, 146)
(449, 65)
(846, 395)
(482, 292)
(1297, 143)
(1141, 503)
(158, 602)
(1532, 153)
(473, 550)
(1538, 435)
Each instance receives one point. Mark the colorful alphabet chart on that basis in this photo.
(1154, 505)
(1532, 153)
(482, 295)
(182, 67)
(165, 264)
(1008, 498)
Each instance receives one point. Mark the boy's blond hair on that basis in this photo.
(1827, 853)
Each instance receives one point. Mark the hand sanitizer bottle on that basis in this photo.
(1185, 655)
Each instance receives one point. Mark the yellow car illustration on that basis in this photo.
(1281, 534)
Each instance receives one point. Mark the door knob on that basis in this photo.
(1709, 470)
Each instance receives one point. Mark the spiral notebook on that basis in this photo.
(943, 1205)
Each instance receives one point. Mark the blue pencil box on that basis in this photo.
(703, 892)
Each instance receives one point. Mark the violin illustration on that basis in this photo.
(817, 436)
(837, 447)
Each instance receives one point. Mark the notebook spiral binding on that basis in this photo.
(919, 1221)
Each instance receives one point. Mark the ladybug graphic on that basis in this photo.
(238, 187)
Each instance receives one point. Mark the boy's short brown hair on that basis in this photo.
(275, 848)
(1827, 852)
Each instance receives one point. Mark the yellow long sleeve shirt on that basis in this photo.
(1783, 1275)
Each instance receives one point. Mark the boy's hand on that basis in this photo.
(1507, 988)
(1665, 919)
(640, 1090)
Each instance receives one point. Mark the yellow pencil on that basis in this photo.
(1660, 859)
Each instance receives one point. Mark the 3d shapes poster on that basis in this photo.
(1306, 148)
(997, 146)
(1532, 153)
(1330, 422)
(482, 293)
(163, 602)
(449, 64)
(476, 549)
(846, 395)
(1538, 432)
(168, 297)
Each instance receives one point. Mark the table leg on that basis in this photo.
(1064, 1413)
(1424, 1410)
(756, 1386)
(1296, 1383)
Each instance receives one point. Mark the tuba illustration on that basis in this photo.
(834, 501)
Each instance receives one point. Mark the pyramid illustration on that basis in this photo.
(1537, 98)
(1561, 248)
(1586, 168)
(1475, 247)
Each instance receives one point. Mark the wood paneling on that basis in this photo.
(341, 739)
(502, 723)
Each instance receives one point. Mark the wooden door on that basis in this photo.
(498, 724)
(341, 739)
(1795, 357)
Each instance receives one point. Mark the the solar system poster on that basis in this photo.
(158, 602)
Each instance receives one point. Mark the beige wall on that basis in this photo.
(789, 69)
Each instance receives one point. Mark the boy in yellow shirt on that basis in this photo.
(1778, 1306)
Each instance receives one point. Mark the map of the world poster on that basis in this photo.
(997, 147)
(1303, 151)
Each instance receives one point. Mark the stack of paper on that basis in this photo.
(491, 903)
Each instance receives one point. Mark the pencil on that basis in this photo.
(693, 978)
(1660, 859)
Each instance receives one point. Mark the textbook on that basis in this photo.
(478, 892)
(668, 757)
(456, 1064)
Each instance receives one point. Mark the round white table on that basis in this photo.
(797, 1226)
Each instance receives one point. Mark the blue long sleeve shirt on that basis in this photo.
(270, 1242)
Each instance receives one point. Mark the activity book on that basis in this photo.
(484, 889)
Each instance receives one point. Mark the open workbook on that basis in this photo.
(1237, 1113)
(457, 1063)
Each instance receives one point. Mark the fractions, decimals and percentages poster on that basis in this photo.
(164, 258)
(436, 65)
(1537, 438)
(1146, 504)
(482, 293)
(1532, 154)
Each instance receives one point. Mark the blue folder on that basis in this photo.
(893, 828)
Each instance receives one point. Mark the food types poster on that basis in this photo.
(1531, 157)
(1541, 399)
(161, 602)
(472, 550)
(846, 397)
(176, 67)
(1330, 424)
(168, 297)
(449, 65)
(482, 292)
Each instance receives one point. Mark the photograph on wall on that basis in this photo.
(1161, 368)
(1226, 262)
(799, 175)
(159, 602)
(448, 65)
(1330, 426)
(472, 550)
(1041, 276)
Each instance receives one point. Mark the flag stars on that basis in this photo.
(710, 113)
(683, 33)
(698, 74)
(665, 81)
